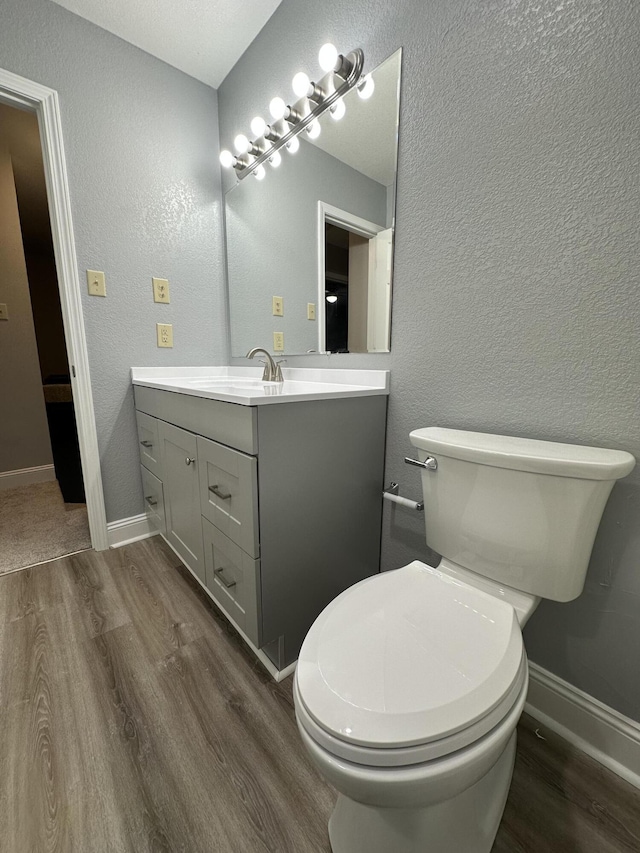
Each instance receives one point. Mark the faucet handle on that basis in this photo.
(279, 377)
(266, 373)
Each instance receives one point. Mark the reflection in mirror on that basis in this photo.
(318, 233)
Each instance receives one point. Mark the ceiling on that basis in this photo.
(203, 38)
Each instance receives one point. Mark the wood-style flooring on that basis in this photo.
(132, 718)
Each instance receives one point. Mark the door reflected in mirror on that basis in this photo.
(318, 231)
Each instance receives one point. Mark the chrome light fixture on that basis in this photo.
(342, 73)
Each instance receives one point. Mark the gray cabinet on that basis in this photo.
(275, 508)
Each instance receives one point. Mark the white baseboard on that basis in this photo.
(26, 476)
(600, 731)
(127, 530)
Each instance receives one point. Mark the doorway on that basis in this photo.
(57, 421)
(354, 283)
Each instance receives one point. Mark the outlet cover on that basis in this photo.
(278, 341)
(278, 306)
(165, 334)
(311, 311)
(4, 311)
(96, 284)
(160, 290)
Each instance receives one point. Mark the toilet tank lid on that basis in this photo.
(525, 454)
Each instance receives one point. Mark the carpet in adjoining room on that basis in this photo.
(37, 525)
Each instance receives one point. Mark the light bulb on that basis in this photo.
(332, 298)
(328, 57)
(241, 143)
(338, 110)
(366, 87)
(313, 129)
(275, 159)
(227, 159)
(258, 126)
(300, 84)
(277, 108)
(259, 173)
(293, 145)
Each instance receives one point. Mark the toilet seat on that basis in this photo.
(407, 666)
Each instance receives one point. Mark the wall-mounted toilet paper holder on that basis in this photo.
(391, 494)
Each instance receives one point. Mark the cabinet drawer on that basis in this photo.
(153, 500)
(233, 578)
(229, 493)
(149, 443)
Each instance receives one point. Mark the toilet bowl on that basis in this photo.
(410, 684)
(399, 726)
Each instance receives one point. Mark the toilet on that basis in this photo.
(410, 684)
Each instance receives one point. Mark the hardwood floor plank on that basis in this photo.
(99, 602)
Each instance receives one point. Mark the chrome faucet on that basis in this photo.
(272, 371)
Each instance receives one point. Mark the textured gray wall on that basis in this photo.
(24, 433)
(516, 280)
(272, 240)
(142, 145)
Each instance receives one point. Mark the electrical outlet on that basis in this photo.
(278, 341)
(160, 290)
(278, 306)
(165, 334)
(311, 311)
(4, 311)
(96, 283)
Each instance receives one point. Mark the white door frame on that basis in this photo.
(26, 95)
(350, 222)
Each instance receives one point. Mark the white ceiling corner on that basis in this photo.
(203, 38)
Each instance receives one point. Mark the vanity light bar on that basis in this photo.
(290, 121)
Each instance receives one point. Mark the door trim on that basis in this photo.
(26, 95)
(350, 222)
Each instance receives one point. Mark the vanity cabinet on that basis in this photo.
(276, 509)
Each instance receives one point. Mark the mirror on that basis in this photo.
(317, 232)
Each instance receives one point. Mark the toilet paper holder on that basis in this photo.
(391, 494)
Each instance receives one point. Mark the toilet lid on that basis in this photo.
(408, 657)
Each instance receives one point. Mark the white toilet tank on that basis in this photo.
(522, 512)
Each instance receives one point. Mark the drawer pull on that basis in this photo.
(189, 460)
(151, 501)
(146, 443)
(224, 496)
(227, 583)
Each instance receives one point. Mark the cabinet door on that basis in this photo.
(182, 494)
(229, 493)
(233, 579)
(149, 443)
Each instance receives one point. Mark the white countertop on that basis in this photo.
(244, 386)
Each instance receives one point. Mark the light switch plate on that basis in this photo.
(165, 334)
(278, 341)
(96, 284)
(311, 311)
(4, 311)
(160, 290)
(278, 306)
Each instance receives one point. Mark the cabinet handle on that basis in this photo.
(227, 583)
(151, 501)
(146, 443)
(189, 460)
(222, 495)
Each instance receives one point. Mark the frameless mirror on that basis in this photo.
(317, 232)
